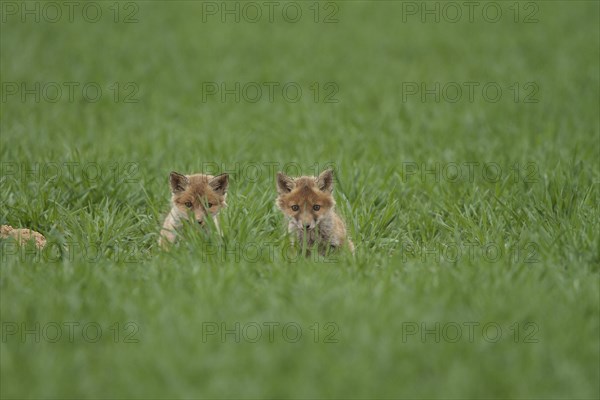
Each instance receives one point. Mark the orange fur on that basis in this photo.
(23, 235)
(193, 196)
(309, 206)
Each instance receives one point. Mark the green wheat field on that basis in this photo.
(465, 141)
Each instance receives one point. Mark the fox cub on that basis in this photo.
(196, 196)
(310, 209)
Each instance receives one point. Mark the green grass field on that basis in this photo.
(466, 154)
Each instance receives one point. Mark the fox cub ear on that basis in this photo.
(178, 182)
(285, 184)
(219, 183)
(325, 181)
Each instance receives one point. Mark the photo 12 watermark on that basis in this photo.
(254, 172)
(252, 12)
(70, 92)
(269, 92)
(470, 92)
(269, 332)
(69, 332)
(70, 171)
(261, 252)
(454, 252)
(53, 251)
(469, 332)
(52, 12)
(453, 12)
(469, 172)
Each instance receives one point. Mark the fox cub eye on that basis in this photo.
(188, 204)
(295, 207)
(316, 207)
(210, 205)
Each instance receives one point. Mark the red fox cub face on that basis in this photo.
(200, 195)
(306, 200)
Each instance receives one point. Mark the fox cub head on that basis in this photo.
(306, 200)
(198, 194)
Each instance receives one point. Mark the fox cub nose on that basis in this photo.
(201, 222)
(307, 226)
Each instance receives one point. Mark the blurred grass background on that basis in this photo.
(544, 205)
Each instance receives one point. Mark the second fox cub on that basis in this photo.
(193, 196)
(308, 204)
